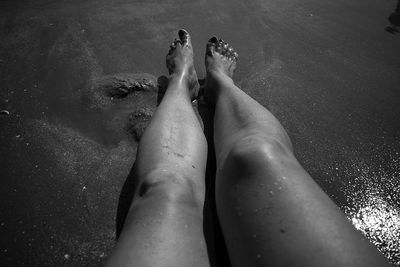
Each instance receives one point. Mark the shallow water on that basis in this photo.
(328, 70)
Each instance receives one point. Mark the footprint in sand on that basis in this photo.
(128, 100)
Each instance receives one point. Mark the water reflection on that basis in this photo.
(380, 223)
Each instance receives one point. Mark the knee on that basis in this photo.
(258, 151)
(171, 187)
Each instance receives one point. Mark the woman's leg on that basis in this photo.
(271, 211)
(164, 226)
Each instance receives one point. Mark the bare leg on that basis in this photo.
(272, 212)
(164, 226)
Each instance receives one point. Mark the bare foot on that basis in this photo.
(220, 65)
(180, 62)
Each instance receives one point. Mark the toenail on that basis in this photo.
(213, 39)
(182, 33)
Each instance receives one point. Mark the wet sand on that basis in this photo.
(328, 70)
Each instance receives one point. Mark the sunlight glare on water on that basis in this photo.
(380, 222)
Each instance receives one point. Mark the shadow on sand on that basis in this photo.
(394, 20)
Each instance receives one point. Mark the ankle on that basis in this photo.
(219, 80)
(179, 78)
(217, 83)
(219, 77)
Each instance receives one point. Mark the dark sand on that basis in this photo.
(327, 69)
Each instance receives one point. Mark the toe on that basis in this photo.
(173, 46)
(220, 44)
(177, 42)
(235, 55)
(213, 40)
(230, 52)
(184, 37)
(211, 46)
(221, 47)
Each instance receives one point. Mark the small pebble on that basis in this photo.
(66, 256)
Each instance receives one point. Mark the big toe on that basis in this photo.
(184, 37)
(211, 45)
